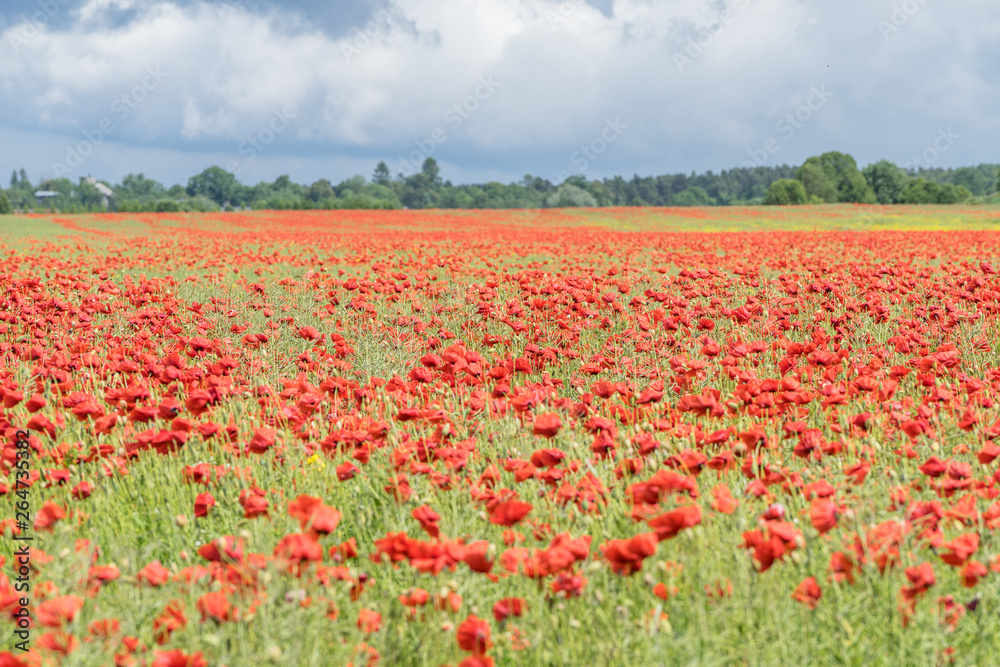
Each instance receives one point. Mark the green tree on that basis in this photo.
(953, 194)
(5, 207)
(89, 196)
(423, 189)
(886, 180)
(568, 195)
(138, 188)
(353, 185)
(786, 192)
(431, 170)
(923, 191)
(842, 175)
(381, 175)
(217, 184)
(974, 179)
(817, 182)
(321, 190)
(13, 179)
(166, 206)
(692, 196)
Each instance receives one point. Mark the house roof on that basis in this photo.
(46, 193)
(101, 187)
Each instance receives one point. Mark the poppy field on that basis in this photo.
(620, 436)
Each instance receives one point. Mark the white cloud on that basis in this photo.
(96, 8)
(563, 67)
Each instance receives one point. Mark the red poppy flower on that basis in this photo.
(808, 592)
(428, 519)
(346, 471)
(58, 642)
(153, 574)
(82, 490)
(216, 606)
(416, 597)
(58, 611)
(263, 439)
(178, 658)
(223, 550)
(171, 619)
(823, 514)
(933, 467)
(8, 659)
(962, 548)
(668, 525)
(547, 458)
(369, 621)
(476, 661)
(625, 556)
(254, 503)
(508, 607)
(547, 425)
(473, 635)
(48, 515)
(972, 573)
(202, 504)
(309, 333)
(298, 549)
(723, 500)
(321, 519)
(509, 513)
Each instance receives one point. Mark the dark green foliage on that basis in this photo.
(834, 177)
(922, 191)
(381, 175)
(886, 180)
(321, 190)
(817, 182)
(786, 192)
(693, 196)
(979, 180)
(216, 184)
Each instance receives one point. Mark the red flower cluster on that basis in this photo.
(504, 392)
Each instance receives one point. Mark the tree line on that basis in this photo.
(828, 178)
(834, 177)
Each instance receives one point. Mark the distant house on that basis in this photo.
(42, 195)
(102, 188)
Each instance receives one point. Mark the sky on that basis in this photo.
(492, 89)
